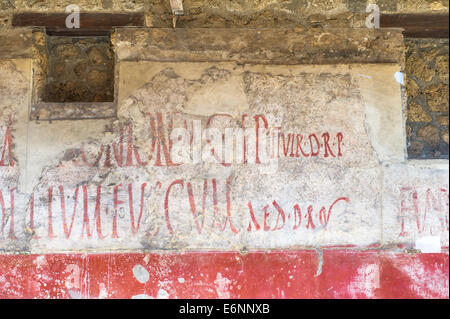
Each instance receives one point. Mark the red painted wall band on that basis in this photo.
(280, 274)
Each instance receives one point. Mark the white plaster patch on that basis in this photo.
(40, 261)
(73, 279)
(222, 286)
(141, 274)
(399, 77)
(74, 294)
(103, 292)
(427, 284)
(366, 281)
(162, 294)
(429, 244)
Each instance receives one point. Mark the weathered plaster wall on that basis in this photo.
(111, 184)
(341, 180)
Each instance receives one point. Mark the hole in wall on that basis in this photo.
(74, 68)
(80, 69)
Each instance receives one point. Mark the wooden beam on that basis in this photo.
(78, 32)
(417, 25)
(90, 23)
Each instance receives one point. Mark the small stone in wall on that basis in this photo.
(417, 67)
(443, 120)
(445, 136)
(80, 68)
(408, 132)
(95, 56)
(412, 88)
(59, 69)
(437, 97)
(429, 134)
(417, 114)
(67, 51)
(356, 5)
(442, 67)
(415, 149)
(4, 21)
(97, 78)
(39, 38)
(5, 5)
(431, 53)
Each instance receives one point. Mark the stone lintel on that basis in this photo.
(261, 46)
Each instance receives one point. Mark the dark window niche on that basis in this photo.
(74, 69)
(80, 69)
(73, 78)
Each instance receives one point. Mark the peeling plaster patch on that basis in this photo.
(141, 274)
(47, 148)
(319, 268)
(74, 294)
(103, 292)
(73, 280)
(40, 261)
(225, 96)
(424, 282)
(222, 286)
(367, 281)
(162, 294)
(399, 77)
(181, 280)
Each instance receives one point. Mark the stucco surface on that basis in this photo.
(104, 174)
(338, 169)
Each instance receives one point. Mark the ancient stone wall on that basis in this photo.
(237, 13)
(427, 88)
